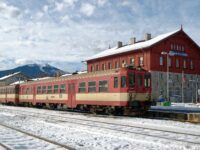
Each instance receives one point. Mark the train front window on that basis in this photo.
(139, 78)
(123, 81)
(131, 80)
(115, 82)
(147, 80)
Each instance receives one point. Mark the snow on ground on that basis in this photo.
(87, 137)
(193, 105)
(19, 141)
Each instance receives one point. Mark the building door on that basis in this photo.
(71, 95)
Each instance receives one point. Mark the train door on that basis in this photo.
(16, 92)
(71, 94)
(6, 94)
(34, 94)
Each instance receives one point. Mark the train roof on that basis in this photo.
(77, 76)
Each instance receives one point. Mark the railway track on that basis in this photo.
(4, 146)
(33, 139)
(178, 136)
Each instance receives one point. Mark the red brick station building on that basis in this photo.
(179, 81)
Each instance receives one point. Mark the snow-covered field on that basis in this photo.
(102, 136)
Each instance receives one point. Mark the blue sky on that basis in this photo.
(65, 32)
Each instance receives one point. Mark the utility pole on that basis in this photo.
(182, 87)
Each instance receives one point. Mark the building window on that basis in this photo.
(103, 67)
(180, 48)
(161, 61)
(132, 61)
(109, 65)
(184, 64)
(123, 63)
(177, 63)
(115, 82)
(170, 62)
(97, 67)
(172, 46)
(141, 61)
(183, 49)
(92, 68)
(116, 64)
(161, 76)
(191, 65)
(177, 77)
(92, 86)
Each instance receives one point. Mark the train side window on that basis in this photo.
(39, 90)
(92, 86)
(62, 88)
(103, 86)
(82, 87)
(123, 81)
(55, 90)
(49, 89)
(115, 82)
(139, 78)
(27, 90)
(43, 89)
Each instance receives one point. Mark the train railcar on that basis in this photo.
(9, 94)
(123, 90)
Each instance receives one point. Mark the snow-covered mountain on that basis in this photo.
(35, 71)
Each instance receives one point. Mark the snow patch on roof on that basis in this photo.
(68, 74)
(43, 78)
(17, 82)
(8, 76)
(135, 46)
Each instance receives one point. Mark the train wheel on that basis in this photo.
(109, 111)
(118, 111)
(92, 109)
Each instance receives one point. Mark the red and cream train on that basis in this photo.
(124, 90)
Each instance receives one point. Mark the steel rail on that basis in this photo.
(38, 137)
(4, 146)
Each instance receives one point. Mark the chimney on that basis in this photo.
(119, 44)
(147, 36)
(132, 40)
